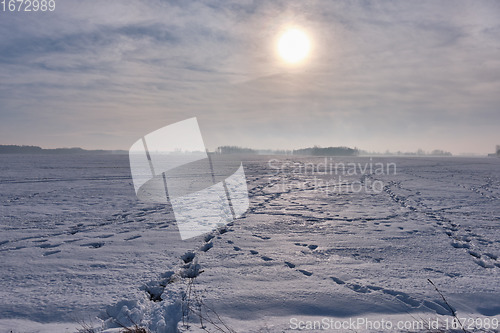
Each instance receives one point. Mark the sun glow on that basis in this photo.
(293, 46)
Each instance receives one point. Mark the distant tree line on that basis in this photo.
(235, 150)
(420, 152)
(314, 151)
(15, 149)
(328, 151)
(439, 152)
(11, 149)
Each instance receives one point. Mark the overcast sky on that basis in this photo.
(396, 75)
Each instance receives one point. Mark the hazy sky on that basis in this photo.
(397, 75)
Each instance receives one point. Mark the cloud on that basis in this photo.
(381, 75)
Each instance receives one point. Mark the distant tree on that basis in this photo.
(235, 150)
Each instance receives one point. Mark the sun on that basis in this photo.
(293, 46)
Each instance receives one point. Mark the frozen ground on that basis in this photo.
(75, 243)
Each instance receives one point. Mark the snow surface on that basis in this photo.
(76, 246)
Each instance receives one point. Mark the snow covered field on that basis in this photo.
(319, 244)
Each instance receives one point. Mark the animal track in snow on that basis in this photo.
(461, 238)
(435, 305)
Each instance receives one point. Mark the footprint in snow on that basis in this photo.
(337, 280)
(254, 252)
(105, 236)
(133, 237)
(93, 245)
(438, 308)
(474, 254)
(484, 264)
(289, 264)
(207, 247)
(48, 253)
(266, 258)
(400, 296)
(306, 273)
(73, 240)
(188, 257)
(358, 288)
(48, 245)
(155, 288)
(374, 288)
(403, 297)
(261, 237)
(491, 255)
(459, 245)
